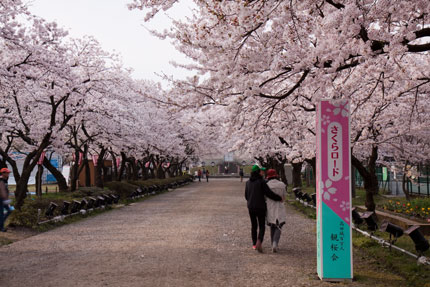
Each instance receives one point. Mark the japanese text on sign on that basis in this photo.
(334, 133)
(337, 242)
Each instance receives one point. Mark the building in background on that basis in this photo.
(47, 177)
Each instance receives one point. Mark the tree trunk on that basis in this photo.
(353, 181)
(22, 180)
(297, 174)
(405, 184)
(74, 173)
(22, 187)
(129, 171)
(369, 177)
(160, 171)
(122, 167)
(313, 163)
(87, 172)
(134, 169)
(114, 166)
(99, 169)
(61, 181)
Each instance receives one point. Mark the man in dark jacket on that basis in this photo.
(4, 197)
(255, 191)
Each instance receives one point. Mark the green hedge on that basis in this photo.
(121, 188)
(88, 191)
(149, 182)
(27, 217)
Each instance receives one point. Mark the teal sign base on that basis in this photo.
(334, 246)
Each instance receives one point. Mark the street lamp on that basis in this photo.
(394, 230)
(314, 199)
(75, 206)
(421, 244)
(307, 197)
(65, 208)
(50, 211)
(91, 202)
(356, 217)
(296, 191)
(368, 216)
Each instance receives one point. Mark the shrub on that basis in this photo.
(87, 191)
(121, 188)
(27, 217)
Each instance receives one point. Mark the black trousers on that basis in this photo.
(258, 222)
(3, 216)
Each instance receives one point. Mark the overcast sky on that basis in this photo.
(119, 29)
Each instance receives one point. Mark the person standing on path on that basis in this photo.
(255, 191)
(276, 213)
(207, 175)
(4, 197)
(241, 174)
(199, 174)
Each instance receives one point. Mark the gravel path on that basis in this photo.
(197, 235)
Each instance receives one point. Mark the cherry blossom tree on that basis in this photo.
(271, 62)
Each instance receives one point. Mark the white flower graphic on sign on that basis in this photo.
(327, 190)
(341, 107)
(344, 205)
(325, 120)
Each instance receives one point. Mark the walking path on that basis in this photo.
(197, 235)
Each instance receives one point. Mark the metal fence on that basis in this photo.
(392, 182)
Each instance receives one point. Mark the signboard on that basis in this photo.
(333, 184)
(384, 173)
(50, 178)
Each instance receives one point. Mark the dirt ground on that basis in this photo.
(197, 235)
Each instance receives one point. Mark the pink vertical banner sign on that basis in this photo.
(333, 185)
(81, 157)
(41, 158)
(95, 158)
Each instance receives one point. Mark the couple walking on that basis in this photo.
(265, 201)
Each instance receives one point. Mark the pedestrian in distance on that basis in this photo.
(199, 175)
(204, 173)
(276, 213)
(256, 190)
(207, 175)
(4, 198)
(241, 174)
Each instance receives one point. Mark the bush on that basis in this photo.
(121, 188)
(87, 191)
(27, 217)
(155, 181)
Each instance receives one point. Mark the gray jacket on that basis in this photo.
(276, 209)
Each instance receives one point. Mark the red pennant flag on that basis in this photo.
(41, 158)
(95, 159)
